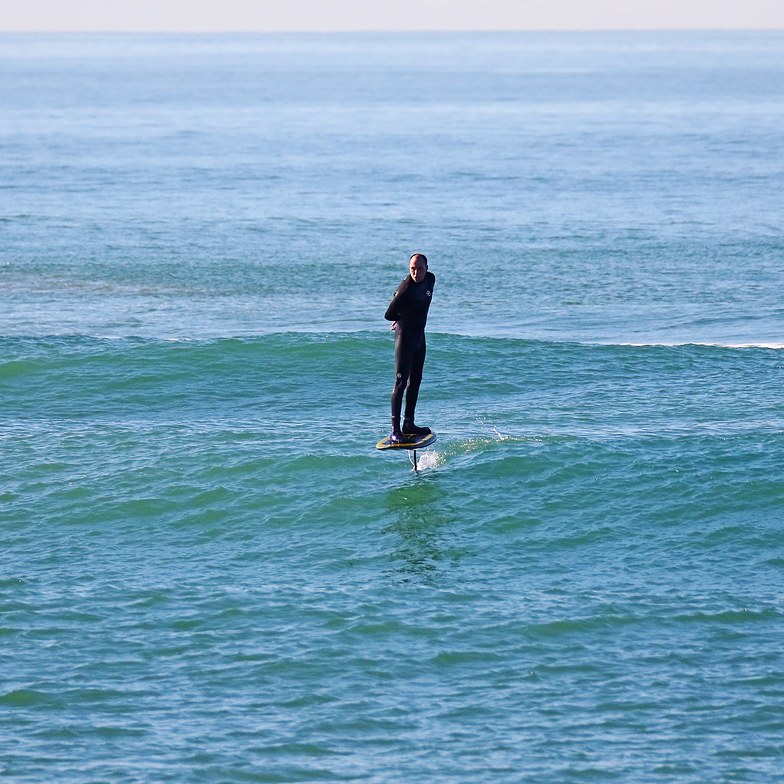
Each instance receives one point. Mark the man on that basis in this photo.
(408, 313)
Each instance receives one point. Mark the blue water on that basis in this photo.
(208, 573)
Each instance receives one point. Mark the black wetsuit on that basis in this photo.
(409, 309)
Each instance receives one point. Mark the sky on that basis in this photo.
(338, 15)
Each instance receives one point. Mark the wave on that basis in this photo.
(503, 385)
(309, 335)
(353, 357)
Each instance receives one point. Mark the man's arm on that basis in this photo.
(393, 311)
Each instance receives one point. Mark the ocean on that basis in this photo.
(209, 574)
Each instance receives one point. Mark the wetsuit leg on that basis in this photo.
(414, 379)
(403, 356)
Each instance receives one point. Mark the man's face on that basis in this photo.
(417, 268)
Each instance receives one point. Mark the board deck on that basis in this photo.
(416, 442)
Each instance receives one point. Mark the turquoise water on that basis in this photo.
(208, 573)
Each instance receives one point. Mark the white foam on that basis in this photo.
(715, 344)
(428, 459)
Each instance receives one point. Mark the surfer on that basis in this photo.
(408, 313)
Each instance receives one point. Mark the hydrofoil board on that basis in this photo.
(412, 442)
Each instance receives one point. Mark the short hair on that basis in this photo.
(420, 255)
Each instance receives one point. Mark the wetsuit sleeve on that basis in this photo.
(393, 311)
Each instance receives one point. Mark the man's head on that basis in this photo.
(417, 266)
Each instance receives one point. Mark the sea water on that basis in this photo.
(209, 574)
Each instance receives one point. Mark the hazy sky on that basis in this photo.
(270, 15)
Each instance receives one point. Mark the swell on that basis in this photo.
(507, 385)
(19, 354)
